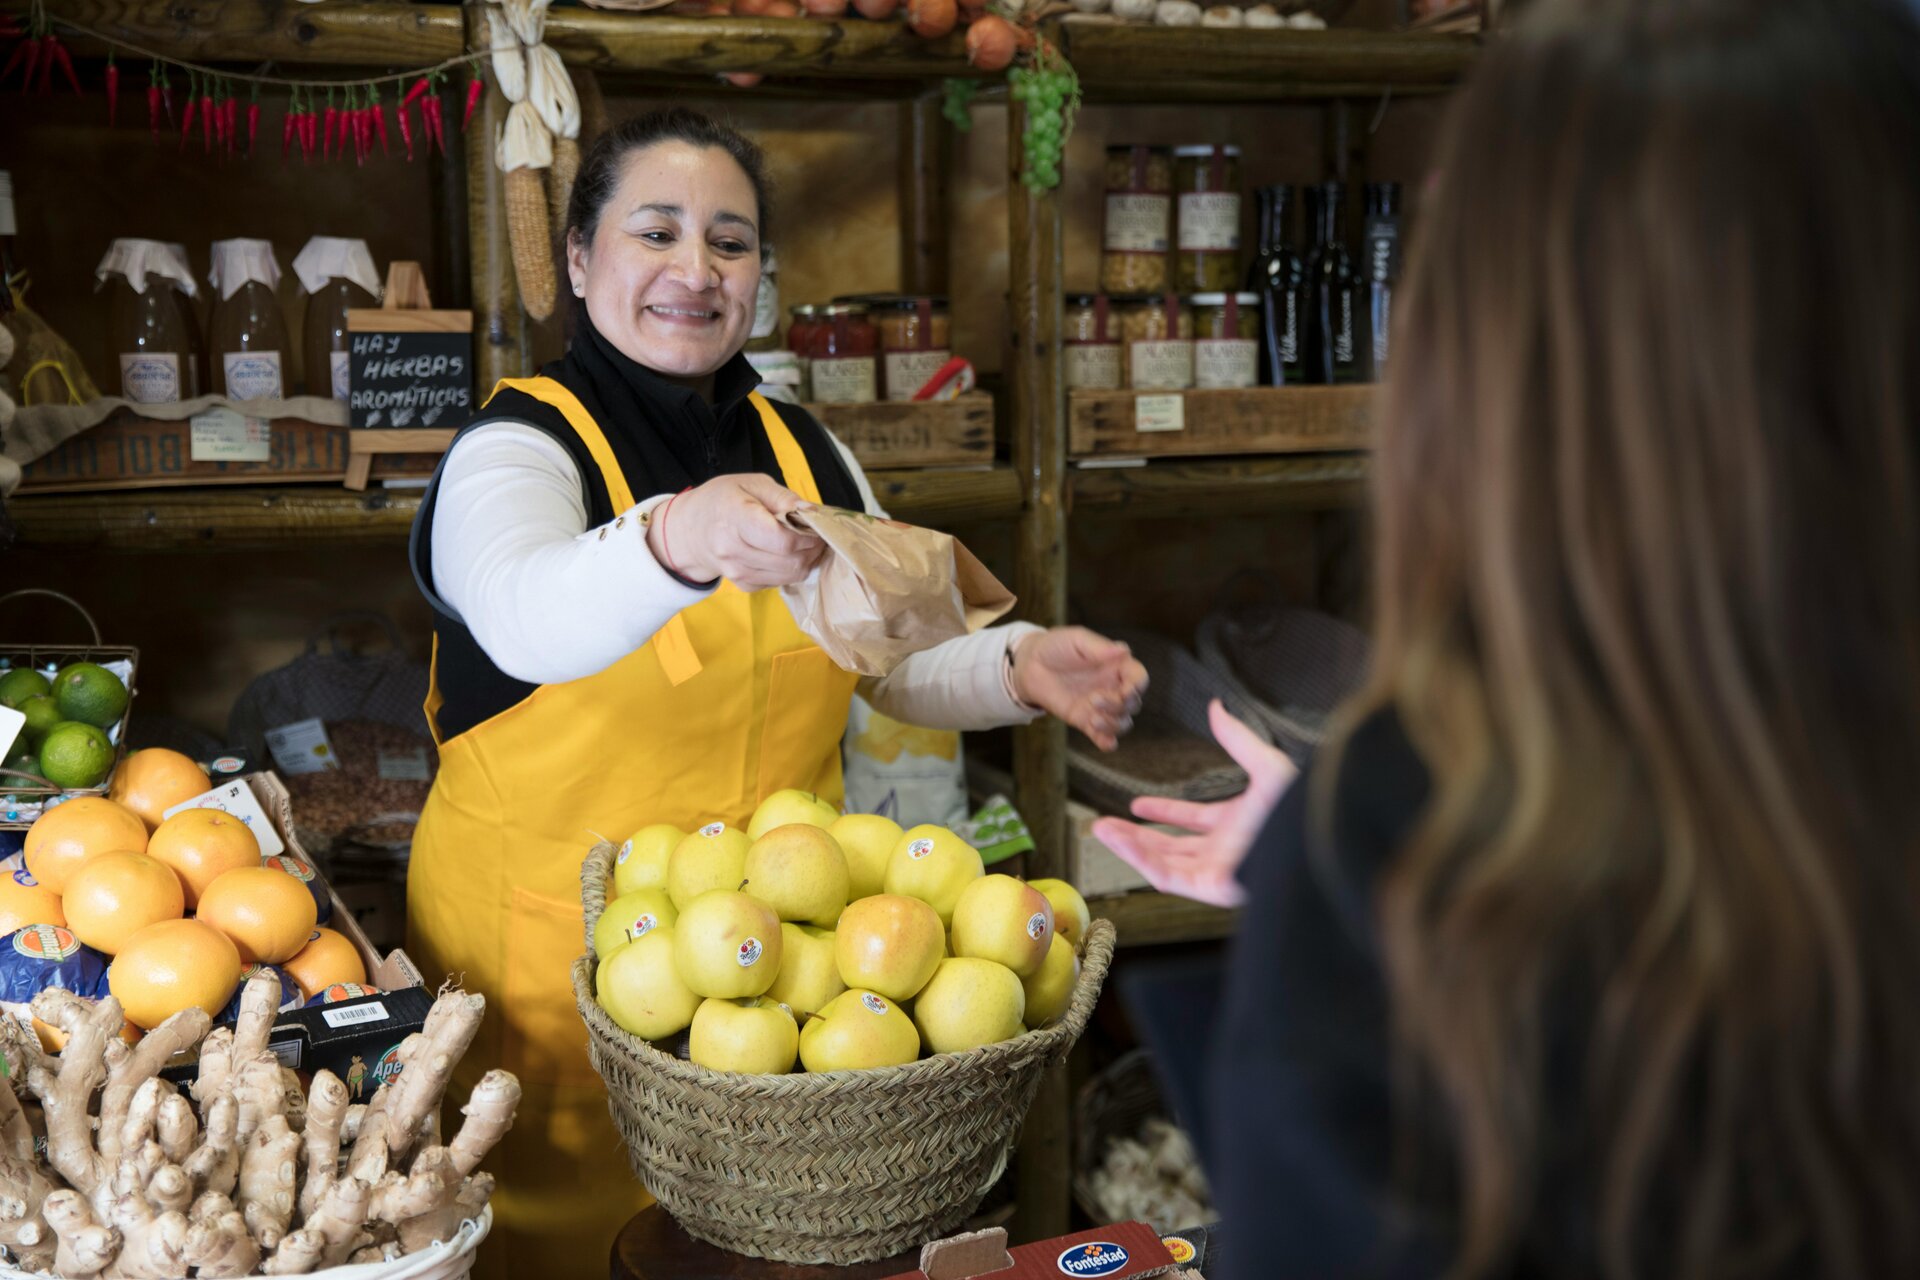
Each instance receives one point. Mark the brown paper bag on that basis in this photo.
(885, 590)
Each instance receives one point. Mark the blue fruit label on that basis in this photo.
(1097, 1258)
(25, 877)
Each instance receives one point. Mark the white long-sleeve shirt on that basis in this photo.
(550, 599)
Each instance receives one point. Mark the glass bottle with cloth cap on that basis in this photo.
(339, 275)
(150, 336)
(248, 335)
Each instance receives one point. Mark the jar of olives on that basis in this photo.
(1207, 248)
(1090, 344)
(1157, 343)
(1139, 220)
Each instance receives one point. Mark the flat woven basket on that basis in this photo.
(1293, 666)
(841, 1167)
(1170, 750)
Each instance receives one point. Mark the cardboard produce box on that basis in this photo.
(1119, 1251)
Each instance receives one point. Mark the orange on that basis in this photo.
(53, 1039)
(67, 835)
(201, 845)
(25, 901)
(116, 895)
(346, 991)
(266, 912)
(174, 965)
(152, 781)
(327, 959)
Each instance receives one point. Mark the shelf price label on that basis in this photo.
(1160, 413)
(223, 435)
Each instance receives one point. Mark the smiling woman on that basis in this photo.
(593, 671)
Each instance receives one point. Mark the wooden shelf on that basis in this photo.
(1149, 919)
(1249, 420)
(1115, 61)
(237, 518)
(1234, 486)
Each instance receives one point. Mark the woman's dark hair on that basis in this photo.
(599, 174)
(1647, 499)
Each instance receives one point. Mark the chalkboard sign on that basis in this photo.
(409, 369)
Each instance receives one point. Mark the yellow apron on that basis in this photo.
(728, 703)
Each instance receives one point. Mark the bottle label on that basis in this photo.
(252, 375)
(766, 307)
(1094, 366)
(844, 381)
(1382, 317)
(1226, 362)
(150, 377)
(1137, 224)
(1290, 327)
(1161, 365)
(1343, 327)
(341, 362)
(1382, 252)
(1210, 221)
(908, 371)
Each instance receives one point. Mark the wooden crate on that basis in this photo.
(128, 451)
(1117, 424)
(890, 434)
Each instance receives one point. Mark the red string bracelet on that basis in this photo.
(666, 551)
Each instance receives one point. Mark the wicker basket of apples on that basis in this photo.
(819, 1035)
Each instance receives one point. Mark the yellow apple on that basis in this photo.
(784, 807)
(640, 988)
(858, 1031)
(868, 840)
(1050, 991)
(727, 944)
(642, 860)
(808, 976)
(889, 944)
(631, 916)
(799, 871)
(1070, 918)
(1002, 919)
(969, 1003)
(714, 857)
(754, 1037)
(934, 865)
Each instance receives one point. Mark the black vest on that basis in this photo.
(472, 688)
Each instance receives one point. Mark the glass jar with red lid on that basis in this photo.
(842, 355)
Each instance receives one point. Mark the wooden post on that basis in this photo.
(926, 148)
(500, 346)
(1038, 394)
(447, 187)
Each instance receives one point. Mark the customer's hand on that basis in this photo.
(733, 527)
(1203, 865)
(1091, 682)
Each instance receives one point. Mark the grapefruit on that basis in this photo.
(116, 895)
(326, 960)
(201, 845)
(25, 901)
(67, 835)
(174, 965)
(152, 781)
(267, 913)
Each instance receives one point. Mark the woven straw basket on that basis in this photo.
(842, 1167)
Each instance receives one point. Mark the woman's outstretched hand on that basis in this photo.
(1091, 682)
(1204, 865)
(734, 527)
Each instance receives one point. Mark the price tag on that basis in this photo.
(405, 766)
(1160, 413)
(237, 798)
(302, 747)
(222, 435)
(10, 722)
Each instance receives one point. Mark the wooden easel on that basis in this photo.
(406, 294)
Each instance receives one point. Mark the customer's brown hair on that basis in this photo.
(1648, 606)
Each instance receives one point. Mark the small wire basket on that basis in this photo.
(23, 796)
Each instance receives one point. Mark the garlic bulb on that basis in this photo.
(1177, 13)
(1134, 10)
(1222, 15)
(525, 142)
(550, 91)
(1305, 21)
(1265, 16)
(509, 64)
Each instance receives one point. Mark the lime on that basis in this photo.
(75, 755)
(90, 694)
(24, 762)
(21, 683)
(42, 714)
